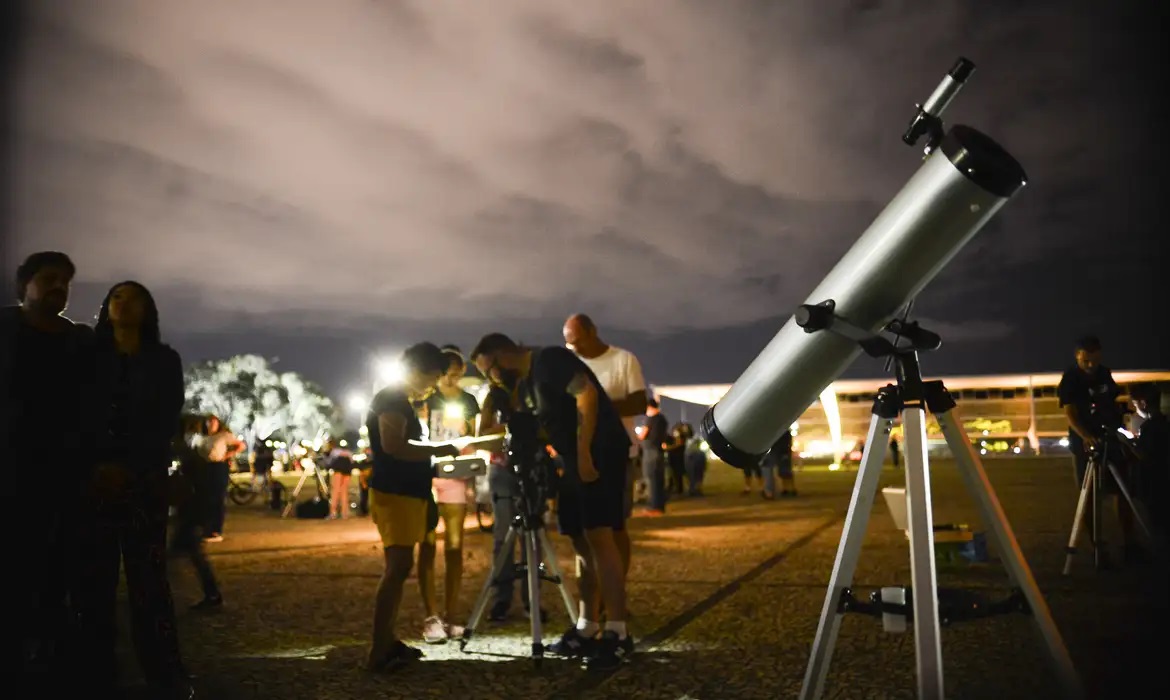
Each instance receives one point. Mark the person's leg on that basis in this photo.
(402, 522)
(426, 574)
(399, 560)
(602, 519)
(221, 477)
(453, 515)
(152, 608)
(623, 537)
(95, 600)
(337, 495)
(769, 480)
(588, 589)
(748, 472)
(648, 477)
(656, 474)
(578, 640)
(504, 509)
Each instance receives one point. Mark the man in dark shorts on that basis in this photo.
(583, 427)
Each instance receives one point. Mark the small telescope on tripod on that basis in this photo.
(965, 179)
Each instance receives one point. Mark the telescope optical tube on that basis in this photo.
(955, 192)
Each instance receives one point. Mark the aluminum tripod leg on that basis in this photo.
(506, 551)
(1078, 520)
(1133, 506)
(292, 500)
(971, 469)
(848, 551)
(555, 570)
(923, 574)
(533, 566)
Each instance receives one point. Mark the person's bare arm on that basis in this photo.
(1074, 420)
(581, 389)
(632, 405)
(392, 427)
(488, 423)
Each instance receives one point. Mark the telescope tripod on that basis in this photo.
(911, 398)
(322, 488)
(1100, 460)
(528, 525)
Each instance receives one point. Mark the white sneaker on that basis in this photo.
(434, 631)
(454, 631)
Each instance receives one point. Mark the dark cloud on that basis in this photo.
(668, 166)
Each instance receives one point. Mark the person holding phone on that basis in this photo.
(400, 497)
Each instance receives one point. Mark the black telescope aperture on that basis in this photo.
(983, 161)
(722, 448)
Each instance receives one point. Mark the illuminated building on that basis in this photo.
(1004, 414)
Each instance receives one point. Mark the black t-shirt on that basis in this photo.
(390, 474)
(1083, 391)
(48, 378)
(656, 431)
(451, 417)
(115, 443)
(545, 391)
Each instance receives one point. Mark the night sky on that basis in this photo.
(326, 181)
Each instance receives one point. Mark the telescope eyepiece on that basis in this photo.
(962, 70)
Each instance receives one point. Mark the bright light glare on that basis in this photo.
(1063, 442)
(828, 399)
(453, 411)
(356, 402)
(834, 466)
(1125, 432)
(389, 371)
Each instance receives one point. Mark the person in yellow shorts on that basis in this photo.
(400, 491)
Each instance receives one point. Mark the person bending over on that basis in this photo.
(588, 436)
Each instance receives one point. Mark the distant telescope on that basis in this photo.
(959, 187)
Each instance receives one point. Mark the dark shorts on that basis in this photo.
(599, 504)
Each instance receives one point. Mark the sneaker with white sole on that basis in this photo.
(434, 631)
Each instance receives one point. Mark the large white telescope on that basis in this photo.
(960, 186)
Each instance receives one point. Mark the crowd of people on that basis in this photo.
(109, 401)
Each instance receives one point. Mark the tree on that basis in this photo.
(257, 402)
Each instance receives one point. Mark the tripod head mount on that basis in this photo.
(928, 120)
(821, 317)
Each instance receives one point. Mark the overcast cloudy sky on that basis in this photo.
(321, 180)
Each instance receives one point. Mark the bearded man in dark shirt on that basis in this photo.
(584, 428)
(42, 383)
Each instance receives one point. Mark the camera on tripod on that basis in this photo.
(528, 459)
(1108, 416)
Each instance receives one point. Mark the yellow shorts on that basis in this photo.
(401, 520)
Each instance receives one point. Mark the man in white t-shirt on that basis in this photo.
(620, 374)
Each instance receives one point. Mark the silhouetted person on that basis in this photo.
(43, 374)
(192, 513)
(135, 405)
